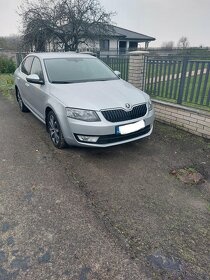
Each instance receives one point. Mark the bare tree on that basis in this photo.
(183, 42)
(66, 22)
(168, 45)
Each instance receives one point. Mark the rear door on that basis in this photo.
(22, 84)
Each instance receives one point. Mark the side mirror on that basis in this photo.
(117, 73)
(34, 79)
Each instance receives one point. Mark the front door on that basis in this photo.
(37, 96)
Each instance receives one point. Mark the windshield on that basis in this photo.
(77, 70)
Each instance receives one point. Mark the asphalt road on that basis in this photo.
(115, 213)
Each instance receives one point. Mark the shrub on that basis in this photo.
(7, 65)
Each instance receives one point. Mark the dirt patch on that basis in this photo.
(189, 175)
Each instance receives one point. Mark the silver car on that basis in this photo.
(81, 100)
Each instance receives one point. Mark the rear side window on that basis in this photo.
(26, 65)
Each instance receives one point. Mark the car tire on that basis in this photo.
(21, 104)
(54, 129)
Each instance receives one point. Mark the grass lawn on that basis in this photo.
(6, 84)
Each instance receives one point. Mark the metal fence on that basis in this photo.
(180, 80)
(119, 63)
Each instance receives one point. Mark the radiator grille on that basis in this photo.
(120, 115)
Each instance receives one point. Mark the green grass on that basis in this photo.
(196, 52)
(6, 84)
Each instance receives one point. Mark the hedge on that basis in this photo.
(7, 65)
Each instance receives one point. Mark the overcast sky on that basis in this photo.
(166, 20)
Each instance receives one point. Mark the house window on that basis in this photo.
(133, 45)
(104, 45)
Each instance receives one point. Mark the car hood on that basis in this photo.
(98, 95)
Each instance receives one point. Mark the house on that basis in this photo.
(120, 41)
(115, 41)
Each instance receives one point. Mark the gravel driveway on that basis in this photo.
(115, 213)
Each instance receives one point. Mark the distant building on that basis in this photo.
(120, 41)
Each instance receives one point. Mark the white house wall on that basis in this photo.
(91, 46)
(95, 46)
(113, 44)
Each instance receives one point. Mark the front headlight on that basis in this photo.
(150, 106)
(83, 115)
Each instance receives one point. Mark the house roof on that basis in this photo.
(131, 35)
(123, 33)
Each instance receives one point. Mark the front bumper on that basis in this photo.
(106, 131)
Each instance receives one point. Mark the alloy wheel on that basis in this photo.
(54, 130)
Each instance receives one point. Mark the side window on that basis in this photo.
(26, 65)
(37, 68)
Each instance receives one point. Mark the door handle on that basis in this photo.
(27, 85)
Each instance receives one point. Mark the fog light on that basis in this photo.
(84, 138)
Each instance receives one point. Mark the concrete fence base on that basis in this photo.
(192, 120)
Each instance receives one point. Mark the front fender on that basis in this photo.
(60, 111)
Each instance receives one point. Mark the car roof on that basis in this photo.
(61, 55)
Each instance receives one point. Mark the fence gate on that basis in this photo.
(180, 80)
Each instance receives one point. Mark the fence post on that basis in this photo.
(137, 68)
(182, 81)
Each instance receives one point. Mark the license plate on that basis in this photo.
(129, 128)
